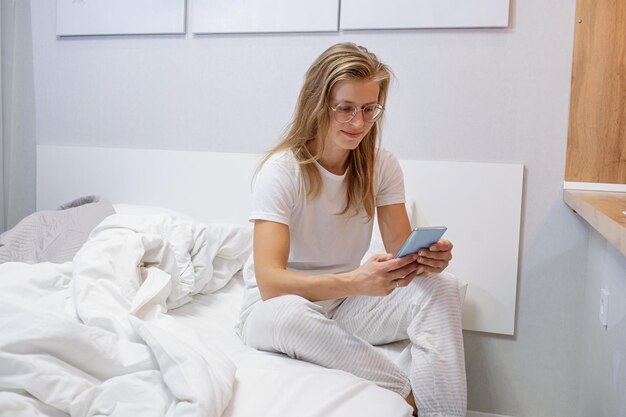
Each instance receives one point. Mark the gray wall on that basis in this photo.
(17, 109)
(495, 95)
(603, 369)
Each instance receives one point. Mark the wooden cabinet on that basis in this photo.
(596, 148)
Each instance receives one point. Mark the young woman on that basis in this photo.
(315, 196)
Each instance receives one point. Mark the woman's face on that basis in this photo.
(343, 137)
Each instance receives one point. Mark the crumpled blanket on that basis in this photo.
(92, 338)
(54, 235)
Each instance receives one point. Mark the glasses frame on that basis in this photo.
(378, 106)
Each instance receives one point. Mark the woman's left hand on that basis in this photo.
(435, 258)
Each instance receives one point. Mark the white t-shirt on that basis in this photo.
(320, 240)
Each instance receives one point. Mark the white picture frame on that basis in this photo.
(417, 14)
(120, 17)
(263, 16)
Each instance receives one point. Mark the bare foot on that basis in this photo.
(411, 402)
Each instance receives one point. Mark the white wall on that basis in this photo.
(490, 95)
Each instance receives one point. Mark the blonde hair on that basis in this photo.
(340, 62)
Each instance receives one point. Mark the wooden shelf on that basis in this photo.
(604, 211)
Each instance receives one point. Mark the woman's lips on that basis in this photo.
(353, 135)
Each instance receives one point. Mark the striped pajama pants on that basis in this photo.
(427, 312)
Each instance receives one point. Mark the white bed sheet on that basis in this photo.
(268, 384)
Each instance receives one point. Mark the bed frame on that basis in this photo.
(480, 203)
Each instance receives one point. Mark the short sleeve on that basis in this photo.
(389, 179)
(275, 191)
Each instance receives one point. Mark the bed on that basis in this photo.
(140, 321)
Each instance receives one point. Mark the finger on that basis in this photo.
(442, 256)
(381, 257)
(397, 263)
(406, 280)
(431, 269)
(441, 246)
(404, 271)
(434, 263)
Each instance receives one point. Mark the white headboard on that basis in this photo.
(480, 204)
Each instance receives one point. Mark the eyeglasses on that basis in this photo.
(345, 112)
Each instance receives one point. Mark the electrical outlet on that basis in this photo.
(604, 307)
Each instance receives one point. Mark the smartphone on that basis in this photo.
(421, 237)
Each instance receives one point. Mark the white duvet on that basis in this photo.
(93, 337)
(114, 333)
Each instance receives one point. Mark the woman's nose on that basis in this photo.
(358, 119)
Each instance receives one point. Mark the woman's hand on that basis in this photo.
(436, 258)
(382, 274)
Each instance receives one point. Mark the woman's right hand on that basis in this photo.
(381, 274)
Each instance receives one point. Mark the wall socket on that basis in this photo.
(604, 307)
